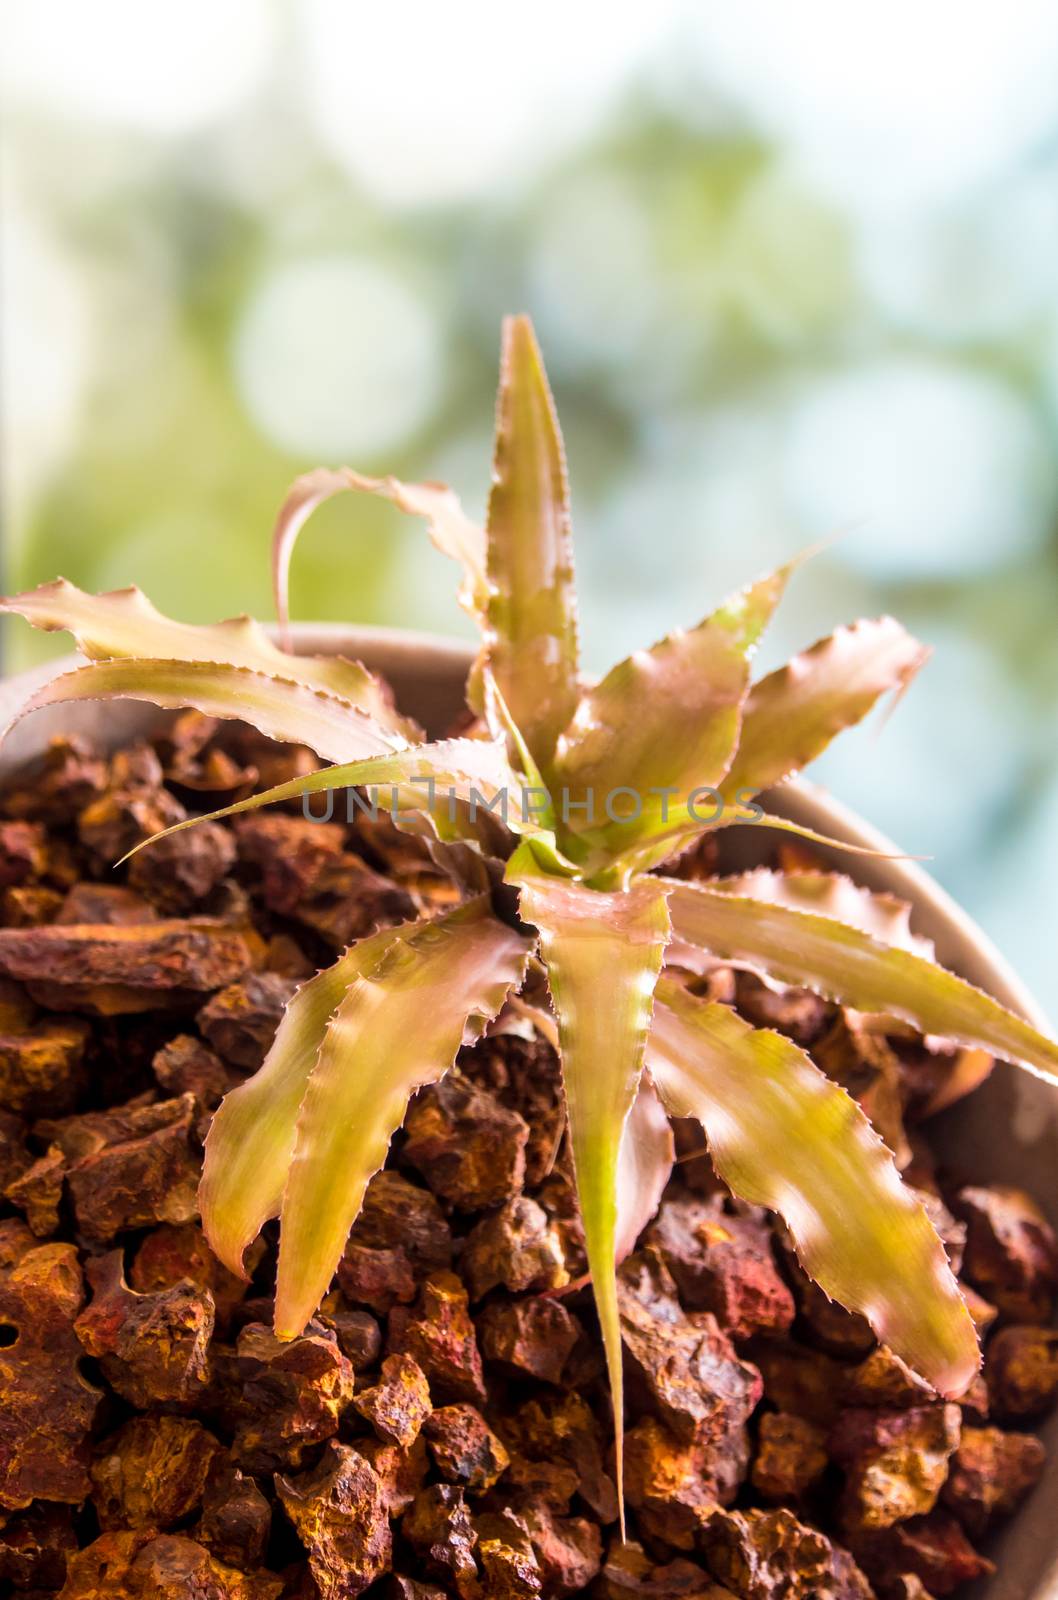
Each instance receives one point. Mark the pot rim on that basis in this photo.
(400, 653)
(797, 800)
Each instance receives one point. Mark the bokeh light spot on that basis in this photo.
(165, 69)
(337, 357)
(940, 471)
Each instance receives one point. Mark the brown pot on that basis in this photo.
(1005, 1132)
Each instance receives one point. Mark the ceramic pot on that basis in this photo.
(1005, 1132)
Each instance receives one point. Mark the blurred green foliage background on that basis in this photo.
(795, 271)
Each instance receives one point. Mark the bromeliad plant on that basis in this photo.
(600, 786)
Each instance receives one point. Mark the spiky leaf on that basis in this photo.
(531, 613)
(474, 770)
(792, 714)
(849, 966)
(668, 844)
(830, 894)
(603, 954)
(251, 1138)
(123, 623)
(644, 1166)
(782, 1135)
(278, 707)
(396, 1028)
(665, 719)
(766, 819)
(450, 529)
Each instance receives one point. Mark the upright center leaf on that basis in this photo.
(603, 955)
(531, 627)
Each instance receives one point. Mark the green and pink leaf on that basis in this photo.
(781, 1134)
(251, 1138)
(603, 953)
(280, 708)
(449, 975)
(449, 528)
(123, 624)
(474, 770)
(644, 1166)
(662, 724)
(849, 966)
(792, 714)
(531, 625)
(831, 894)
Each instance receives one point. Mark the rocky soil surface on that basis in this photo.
(442, 1427)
